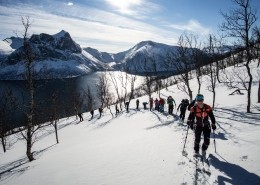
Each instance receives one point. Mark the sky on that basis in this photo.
(116, 25)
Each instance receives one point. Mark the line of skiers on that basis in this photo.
(198, 119)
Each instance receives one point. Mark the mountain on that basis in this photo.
(54, 55)
(144, 57)
(58, 56)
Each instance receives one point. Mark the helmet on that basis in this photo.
(199, 97)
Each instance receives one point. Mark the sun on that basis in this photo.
(123, 5)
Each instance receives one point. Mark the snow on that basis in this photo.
(60, 34)
(5, 49)
(14, 42)
(142, 147)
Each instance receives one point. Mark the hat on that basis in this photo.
(199, 97)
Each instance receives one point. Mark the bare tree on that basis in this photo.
(238, 24)
(183, 62)
(132, 78)
(113, 79)
(29, 59)
(90, 101)
(211, 69)
(256, 52)
(55, 111)
(104, 94)
(148, 81)
(123, 79)
(196, 54)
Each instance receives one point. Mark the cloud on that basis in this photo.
(103, 30)
(193, 26)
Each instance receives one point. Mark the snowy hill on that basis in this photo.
(55, 56)
(142, 147)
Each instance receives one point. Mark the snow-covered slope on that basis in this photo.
(14, 42)
(142, 147)
(5, 50)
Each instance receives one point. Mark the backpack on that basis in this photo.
(191, 105)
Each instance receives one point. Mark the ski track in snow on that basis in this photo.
(140, 147)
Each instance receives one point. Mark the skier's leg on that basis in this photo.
(184, 112)
(198, 131)
(206, 134)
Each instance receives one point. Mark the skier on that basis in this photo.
(145, 103)
(161, 104)
(117, 110)
(151, 104)
(170, 102)
(127, 106)
(80, 117)
(183, 106)
(137, 104)
(92, 114)
(100, 111)
(156, 102)
(201, 112)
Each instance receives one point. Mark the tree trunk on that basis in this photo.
(190, 92)
(3, 143)
(258, 92)
(214, 99)
(199, 83)
(249, 88)
(29, 143)
(56, 132)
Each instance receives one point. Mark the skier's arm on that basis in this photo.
(212, 117)
(191, 117)
(179, 107)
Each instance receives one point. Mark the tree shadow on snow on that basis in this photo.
(235, 115)
(237, 175)
(220, 135)
(18, 167)
(163, 123)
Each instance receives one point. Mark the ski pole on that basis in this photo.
(214, 141)
(186, 138)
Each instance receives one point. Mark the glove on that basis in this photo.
(213, 126)
(191, 126)
(190, 123)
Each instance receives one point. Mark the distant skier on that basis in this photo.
(127, 106)
(144, 104)
(100, 111)
(117, 110)
(137, 104)
(151, 103)
(161, 104)
(201, 112)
(170, 102)
(156, 102)
(183, 106)
(92, 114)
(80, 117)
